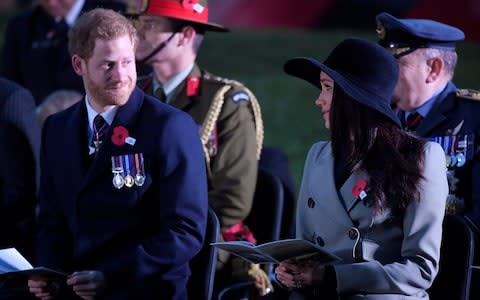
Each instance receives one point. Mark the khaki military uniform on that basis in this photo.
(231, 129)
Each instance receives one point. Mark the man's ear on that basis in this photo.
(78, 65)
(436, 65)
(187, 35)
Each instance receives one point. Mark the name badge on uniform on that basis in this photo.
(128, 170)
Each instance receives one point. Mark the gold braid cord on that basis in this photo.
(215, 109)
(210, 120)
(257, 113)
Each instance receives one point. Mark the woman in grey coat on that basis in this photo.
(373, 195)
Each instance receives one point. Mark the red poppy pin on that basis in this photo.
(358, 190)
(119, 136)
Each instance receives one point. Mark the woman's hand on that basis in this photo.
(87, 284)
(295, 276)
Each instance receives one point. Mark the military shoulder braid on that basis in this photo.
(468, 94)
(216, 107)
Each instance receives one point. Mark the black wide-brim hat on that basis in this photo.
(362, 69)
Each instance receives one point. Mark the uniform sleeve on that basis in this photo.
(235, 166)
(422, 228)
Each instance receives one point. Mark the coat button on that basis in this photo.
(311, 203)
(353, 233)
(320, 241)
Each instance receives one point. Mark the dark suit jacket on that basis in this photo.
(35, 52)
(142, 237)
(19, 149)
(448, 112)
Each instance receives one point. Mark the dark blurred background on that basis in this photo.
(265, 33)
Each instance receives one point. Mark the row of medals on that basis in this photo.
(129, 181)
(455, 160)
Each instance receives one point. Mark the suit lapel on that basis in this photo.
(126, 116)
(76, 128)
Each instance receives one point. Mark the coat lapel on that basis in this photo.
(126, 116)
(322, 186)
(352, 203)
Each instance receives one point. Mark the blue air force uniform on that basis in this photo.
(451, 117)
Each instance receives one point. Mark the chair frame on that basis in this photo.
(274, 232)
(200, 285)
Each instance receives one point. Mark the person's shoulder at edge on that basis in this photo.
(434, 149)
(316, 151)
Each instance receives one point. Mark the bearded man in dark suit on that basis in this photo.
(123, 197)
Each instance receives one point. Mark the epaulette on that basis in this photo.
(468, 94)
(223, 80)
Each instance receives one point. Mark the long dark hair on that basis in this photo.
(367, 140)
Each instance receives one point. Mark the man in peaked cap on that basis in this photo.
(227, 113)
(431, 106)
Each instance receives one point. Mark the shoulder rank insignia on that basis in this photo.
(469, 94)
(240, 96)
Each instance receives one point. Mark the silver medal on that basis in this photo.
(139, 179)
(460, 159)
(118, 181)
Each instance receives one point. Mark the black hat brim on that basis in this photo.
(309, 70)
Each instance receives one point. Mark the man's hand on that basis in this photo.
(42, 289)
(87, 284)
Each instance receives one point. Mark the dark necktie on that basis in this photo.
(413, 120)
(160, 94)
(100, 127)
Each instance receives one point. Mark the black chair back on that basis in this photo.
(265, 218)
(456, 259)
(203, 265)
(265, 221)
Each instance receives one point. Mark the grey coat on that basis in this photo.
(383, 256)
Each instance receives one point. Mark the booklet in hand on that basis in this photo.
(13, 266)
(297, 251)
